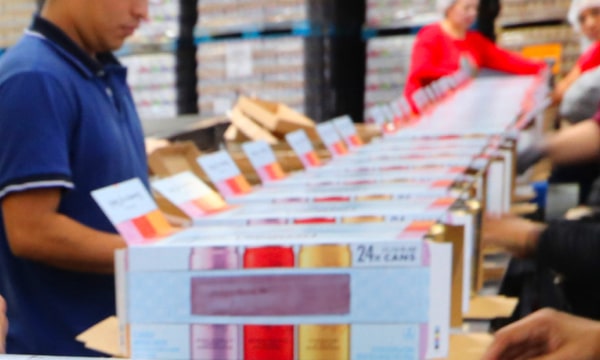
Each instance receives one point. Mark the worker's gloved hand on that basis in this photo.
(467, 65)
(529, 157)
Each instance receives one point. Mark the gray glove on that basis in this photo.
(529, 157)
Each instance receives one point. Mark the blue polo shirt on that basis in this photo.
(67, 121)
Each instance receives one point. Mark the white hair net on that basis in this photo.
(444, 5)
(577, 7)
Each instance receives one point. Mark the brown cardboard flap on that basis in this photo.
(245, 166)
(277, 118)
(290, 120)
(262, 112)
(455, 236)
(249, 128)
(174, 214)
(491, 307)
(289, 161)
(234, 134)
(469, 346)
(103, 337)
(267, 105)
(176, 158)
(368, 132)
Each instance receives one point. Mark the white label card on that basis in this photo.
(299, 142)
(345, 126)
(388, 113)
(377, 115)
(328, 134)
(405, 105)
(259, 153)
(182, 188)
(124, 201)
(395, 108)
(219, 166)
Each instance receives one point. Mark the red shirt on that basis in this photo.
(590, 59)
(436, 54)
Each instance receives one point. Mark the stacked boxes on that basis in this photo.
(15, 17)
(218, 16)
(387, 13)
(276, 49)
(152, 62)
(152, 80)
(271, 67)
(517, 39)
(163, 24)
(526, 11)
(388, 62)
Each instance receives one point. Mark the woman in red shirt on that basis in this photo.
(584, 15)
(440, 48)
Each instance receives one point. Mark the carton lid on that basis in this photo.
(174, 159)
(103, 337)
(234, 134)
(263, 112)
(469, 346)
(249, 128)
(291, 120)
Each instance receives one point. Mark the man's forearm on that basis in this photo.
(575, 144)
(61, 242)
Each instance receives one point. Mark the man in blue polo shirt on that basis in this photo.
(68, 126)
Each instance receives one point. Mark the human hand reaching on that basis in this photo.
(547, 335)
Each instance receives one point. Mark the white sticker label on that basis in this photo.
(387, 112)
(182, 188)
(259, 153)
(328, 134)
(397, 254)
(377, 116)
(405, 105)
(345, 126)
(299, 142)
(394, 106)
(219, 166)
(239, 60)
(124, 201)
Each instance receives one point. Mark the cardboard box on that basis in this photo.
(174, 159)
(463, 346)
(277, 118)
(341, 298)
(233, 134)
(249, 128)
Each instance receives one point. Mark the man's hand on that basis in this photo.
(513, 234)
(547, 335)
